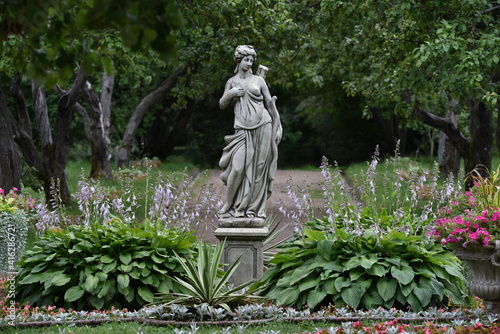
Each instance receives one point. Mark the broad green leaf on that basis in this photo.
(125, 258)
(386, 288)
(60, 280)
(73, 294)
(39, 267)
(101, 275)
(308, 283)
(378, 270)
(104, 289)
(288, 296)
(325, 248)
(316, 296)
(123, 280)
(106, 259)
(109, 267)
(33, 278)
(315, 235)
(145, 293)
(435, 286)
(91, 283)
(372, 299)
(140, 254)
(98, 303)
(157, 259)
(404, 274)
(368, 261)
(130, 294)
(125, 268)
(50, 257)
(353, 263)
(342, 282)
(407, 288)
(414, 303)
(352, 295)
(329, 286)
(299, 274)
(354, 274)
(423, 294)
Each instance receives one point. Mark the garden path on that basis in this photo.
(313, 180)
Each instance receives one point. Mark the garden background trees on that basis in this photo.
(50, 41)
(412, 58)
(149, 83)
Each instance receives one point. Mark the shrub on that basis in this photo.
(13, 233)
(364, 272)
(14, 208)
(108, 265)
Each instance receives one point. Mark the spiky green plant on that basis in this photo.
(206, 282)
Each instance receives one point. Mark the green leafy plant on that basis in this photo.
(486, 189)
(110, 265)
(206, 283)
(14, 219)
(363, 272)
(13, 234)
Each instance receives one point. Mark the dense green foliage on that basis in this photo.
(13, 233)
(45, 39)
(109, 265)
(346, 269)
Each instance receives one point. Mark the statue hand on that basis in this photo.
(279, 134)
(236, 91)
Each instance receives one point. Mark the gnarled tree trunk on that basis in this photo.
(96, 123)
(10, 163)
(477, 150)
(123, 151)
(448, 156)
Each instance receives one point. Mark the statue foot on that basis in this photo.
(239, 214)
(223, 214)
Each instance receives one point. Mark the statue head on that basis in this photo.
(243, 51)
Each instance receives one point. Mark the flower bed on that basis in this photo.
(343, 320)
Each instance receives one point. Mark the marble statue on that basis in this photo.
(249, 160)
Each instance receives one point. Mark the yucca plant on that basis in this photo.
(206, 283)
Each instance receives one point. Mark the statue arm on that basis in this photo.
(229, 94)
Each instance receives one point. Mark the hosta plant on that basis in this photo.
(206, 283)
(108, 265)
(364, 272)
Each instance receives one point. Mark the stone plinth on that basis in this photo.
(247, 241)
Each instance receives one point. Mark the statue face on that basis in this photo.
(246, 63)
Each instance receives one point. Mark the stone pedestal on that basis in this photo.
(243, 240)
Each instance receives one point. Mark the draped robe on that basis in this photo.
(250, 156)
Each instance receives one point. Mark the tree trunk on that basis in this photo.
(97, 124)
(62, 134)
(477, 150)
(10, 163)
(481, 130)
(448, 157)
(123, 151)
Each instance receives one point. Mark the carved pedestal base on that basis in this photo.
(246, 240)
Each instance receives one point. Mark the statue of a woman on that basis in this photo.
(250, 158)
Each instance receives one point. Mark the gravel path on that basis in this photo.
(312, 178)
